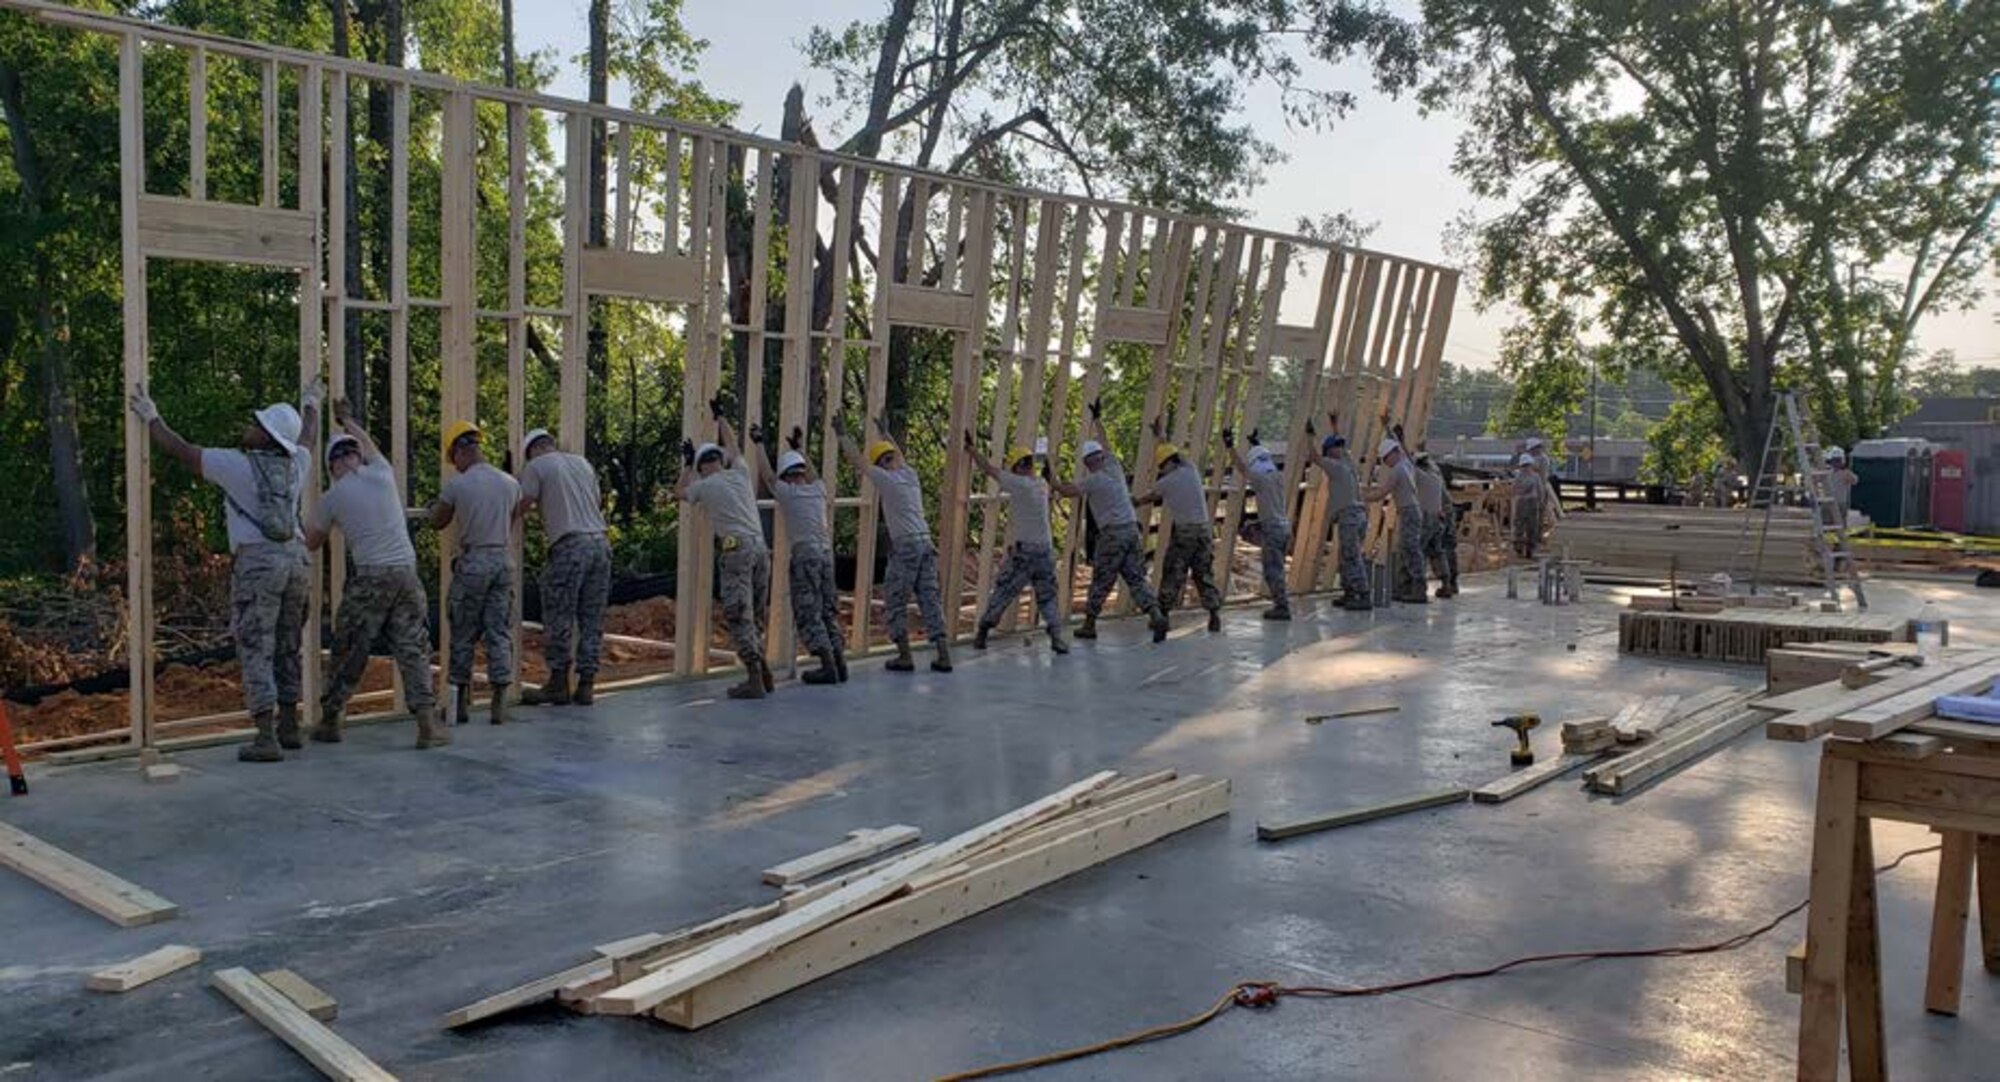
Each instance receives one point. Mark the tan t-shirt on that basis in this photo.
(482, 502)
(565, 486)
(731, 504)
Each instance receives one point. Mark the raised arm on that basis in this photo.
(725, 435)
(761, 457)
(686, 476)
(796, 440)
(309, 409)
(985, 466)
(163, 435)
(343, 415)
(853, 452)
(1236, 456)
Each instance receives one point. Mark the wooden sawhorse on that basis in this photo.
(1940, 774)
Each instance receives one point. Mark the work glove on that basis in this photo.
(342, 412)
(1254, 441)
(715, 407)
(969, 444)
(1097, 409)
(797, 439)
(1310, 430)
(1229, 438)
(315, 393)
(1159, 430)
(687, 452)
(142, 404)
(756, 433)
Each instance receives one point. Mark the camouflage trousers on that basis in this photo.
(482, 607)
(1352, 521)
(815, 598)
(267, 616)
(576, 585)
(913, 569)
(1027, 565)
(744, 586)
(1441, 544)
(1190, 552)
(381, 600)
(1409, 551)
(1272, 543)
(1527, 525)
(1119, 555)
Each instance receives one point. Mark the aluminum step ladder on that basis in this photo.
(1792, 451)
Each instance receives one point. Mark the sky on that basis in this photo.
(1383, 163)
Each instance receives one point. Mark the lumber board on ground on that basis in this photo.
(731, 952)
(1743, 636)
(321, 1047)
(1687, 709)
(859, 846)
(303, 993)
(1645, 720)
(540, 988)
(1636, 770)
(1502, 790)
(146, 968)
(1885, 716)
(1271, 832)
(122, 903)
(1818, 720)
(879, 929)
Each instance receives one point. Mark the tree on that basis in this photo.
(1703, 176)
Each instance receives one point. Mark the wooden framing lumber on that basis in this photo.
(303, 994)
(876, 930)
(1885, 716)
(144, 969)
(1626, 774)
(541, 988)
(1502, 790)
(1823, 704)
(859, 846)
(174, 228)
(82, 882)
(321, 1047)
(1271, 832)
(1646, 719)
(737, 950)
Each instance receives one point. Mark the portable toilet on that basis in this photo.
(1948, 490)
(1893, 483)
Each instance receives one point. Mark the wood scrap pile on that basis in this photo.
(1743, 636)
(709, 971)
(1668, 732)
(1692, 542)
(1896, 698)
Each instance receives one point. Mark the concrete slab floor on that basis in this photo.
(408, 884)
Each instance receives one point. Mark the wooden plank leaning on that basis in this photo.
(321, 1047)
(737, 950)
(859, 846)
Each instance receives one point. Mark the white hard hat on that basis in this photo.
(339, 438)
(281, 422)
(1387, 445)
(706, 450)
(1534, 443)
(789, 461)
(1835, 454)
(1092, 447)
(1261, 460)
(534, 434)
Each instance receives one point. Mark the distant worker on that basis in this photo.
(384, 595)
(1191, 545)
(1528, 489)
(1400, 486)
(1119, 552)
(1723, 484)
(261, 480)
(802, 503)
(1840, 482)
(1031, 559)
(480, 500)
(912, 554)
(576, 583)
(1350, 515)
(724, 490)
(1258, 474)
(1440, 525)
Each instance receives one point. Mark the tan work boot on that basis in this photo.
(499, 704)
(553, 692)
(288, 727)
(586, 689)
(464, 705)
(328, 729)
(752, 686)
(430, 734)
(263, 748)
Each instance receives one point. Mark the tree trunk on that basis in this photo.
(507, 73)
(78, 530)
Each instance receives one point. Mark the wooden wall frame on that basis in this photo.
(1034, 287)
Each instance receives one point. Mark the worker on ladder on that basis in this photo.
(480, 500)
(262, 480)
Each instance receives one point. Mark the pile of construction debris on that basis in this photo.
(709, 971)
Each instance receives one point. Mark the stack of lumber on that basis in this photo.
(1801, 665)
(1672, 736)
(1689, 603)
(709, 971)
(1692, 541)
(1901, 697)
(1744, 636)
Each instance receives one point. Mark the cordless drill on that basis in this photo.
(1523, 755)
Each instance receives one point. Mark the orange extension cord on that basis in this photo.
(1260, 995)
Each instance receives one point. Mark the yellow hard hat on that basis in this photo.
(1016, 454)
(877, 449)
(1163, 452)
(458, 430)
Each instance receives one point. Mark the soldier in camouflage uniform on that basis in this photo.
(1030, 551)
(1440, 530)
(1119, 553)
(576, 583)
(480, 500)
(1258, 473)
(261, 482)
(1350, 516)
(802, 504)
(384, 595)
(912, 555)
(724, 489)
(1191, 545)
